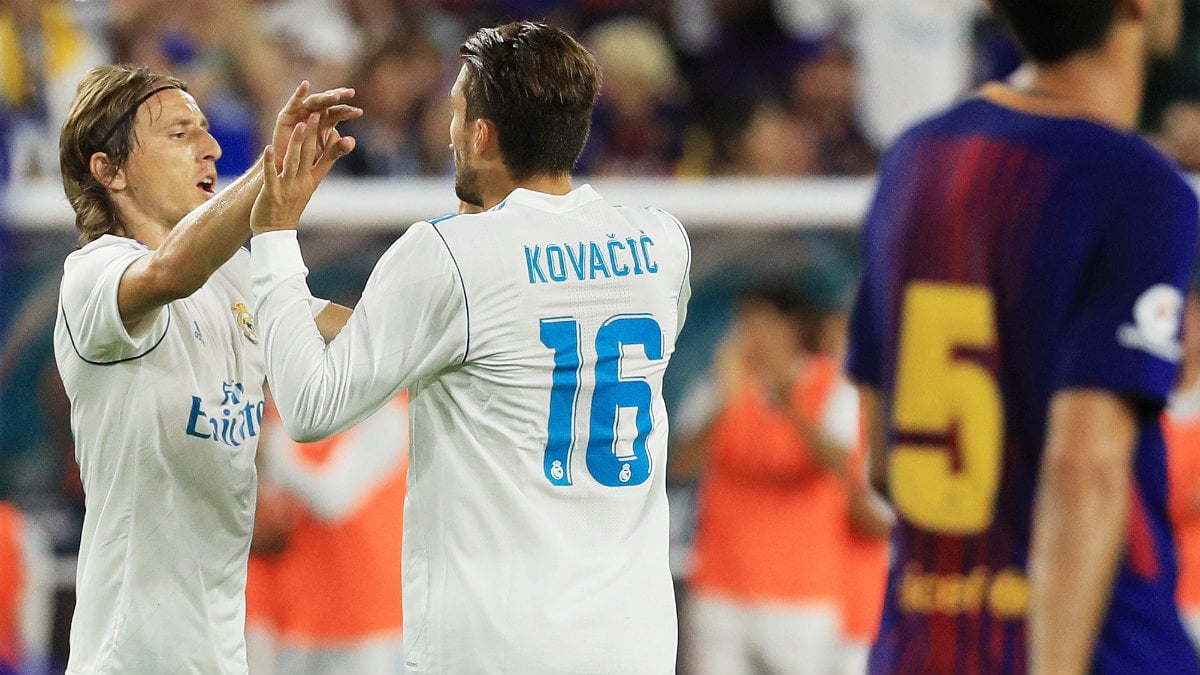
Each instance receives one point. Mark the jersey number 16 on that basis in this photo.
(611, 460)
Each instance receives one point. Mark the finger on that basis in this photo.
(291, 159)
(327, 99)
(324, 99)
(339, 113)
(308, 149)
(270, 178)
(296, 102)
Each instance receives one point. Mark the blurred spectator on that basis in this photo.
(1181, 428)
(736, 49)
(398, 85)
(639, 123)
(1177, 79)
(24, 596)
(763, 138)
(1179, 136)
(823, 95)
(315, 38)
(914, 56)
(43, 52)
(766, 582)
(219, 48)
(867, 530)
(323, 589)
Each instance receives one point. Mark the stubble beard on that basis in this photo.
(466, 182)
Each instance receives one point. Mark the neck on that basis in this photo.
(142, 228)
(1104, 85)
(551, 185)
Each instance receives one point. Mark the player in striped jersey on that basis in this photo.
(1016, 336)
(532, 338)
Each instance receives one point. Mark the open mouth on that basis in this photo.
(208, 185)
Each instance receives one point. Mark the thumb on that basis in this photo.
(332, 153)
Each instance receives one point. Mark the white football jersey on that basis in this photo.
(166, 424)
(533, 339)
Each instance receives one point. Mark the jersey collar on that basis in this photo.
(552, 203)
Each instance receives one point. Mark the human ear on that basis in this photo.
(486, 140)
(102, 170)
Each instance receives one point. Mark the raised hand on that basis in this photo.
(329, 105)
(306, 161)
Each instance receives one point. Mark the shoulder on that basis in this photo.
(1146, 179)
(106, 247)
(424, 250)
(83, 268)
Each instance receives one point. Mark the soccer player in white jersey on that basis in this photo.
(533, 338)
(156, 343)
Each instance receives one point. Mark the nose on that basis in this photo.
(210, 149)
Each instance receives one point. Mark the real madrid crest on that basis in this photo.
(245, 321)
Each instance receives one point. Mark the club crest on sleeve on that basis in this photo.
(1157, 315)
(245, 321)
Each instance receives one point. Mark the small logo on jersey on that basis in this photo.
(1157, 314)
(626, 473)
(245, 322)
(556, 470)
(197, 333)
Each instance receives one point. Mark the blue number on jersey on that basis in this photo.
(611, 395)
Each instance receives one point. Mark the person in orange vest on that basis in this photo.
(25, 594)
(767, 569)
(1181, 429)
(323, 594)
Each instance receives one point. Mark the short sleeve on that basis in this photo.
(864, 347)
(88, 302)
(1122, 331)
(864, 358)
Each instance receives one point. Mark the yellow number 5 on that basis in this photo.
(944, 398)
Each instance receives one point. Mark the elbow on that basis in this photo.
(302, 433)
(300, 428)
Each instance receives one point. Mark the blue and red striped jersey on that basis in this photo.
(1007, 256)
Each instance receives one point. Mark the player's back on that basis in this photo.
(536, 528)
(990, 284)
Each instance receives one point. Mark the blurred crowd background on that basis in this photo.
(692, 89)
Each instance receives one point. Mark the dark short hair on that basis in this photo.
(790, 300)
(783, 295)
(538, 86)
(101, 119)
(1049, 31)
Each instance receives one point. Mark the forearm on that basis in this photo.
(1077, 518)
(319, 388)
(259, 64)
(1079, 526)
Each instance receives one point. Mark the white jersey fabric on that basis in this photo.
(533, 339)
(166, 425)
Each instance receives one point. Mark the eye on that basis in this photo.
(178, 134)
